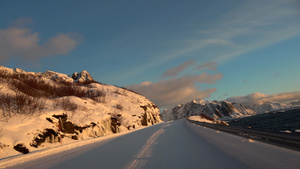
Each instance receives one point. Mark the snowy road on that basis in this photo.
(177, 144)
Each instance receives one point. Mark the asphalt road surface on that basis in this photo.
(171, 145)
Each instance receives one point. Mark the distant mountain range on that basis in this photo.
(221, 110)
(38, 108)
(268, 106)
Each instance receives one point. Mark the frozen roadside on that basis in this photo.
(42, 152)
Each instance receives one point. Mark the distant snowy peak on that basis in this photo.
(267, 106)
(262, 103)
(222, 110)
(215, 109)
(200, 101)
(249, 100)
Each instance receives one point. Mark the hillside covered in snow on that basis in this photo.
(219, 110)
(222, 110)
(43, 109)
(262, 103)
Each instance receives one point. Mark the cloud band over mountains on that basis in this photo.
(177, 90)
(256, 98)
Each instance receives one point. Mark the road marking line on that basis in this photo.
(145, 152)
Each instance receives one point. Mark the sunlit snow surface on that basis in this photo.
(177, 144)
(24, 127)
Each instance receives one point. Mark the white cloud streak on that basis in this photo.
(24, 44)
(254, 25)
(249, 27)
(208, 65)
(176, 70)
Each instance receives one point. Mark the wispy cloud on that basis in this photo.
(249, 26)
(22, 21)
(277, 74)
(176, 90)
(256, 98)
(176, 70)
(208, 65)
(24, 44)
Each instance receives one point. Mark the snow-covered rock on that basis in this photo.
(233, 107)
(36, 108)
(82, 77)
(221, 110)
(57, 77)
(263, 103)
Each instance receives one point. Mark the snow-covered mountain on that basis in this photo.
(263, 103)
(38, 108)
(219, 110)
(267, 106)
(223, 110)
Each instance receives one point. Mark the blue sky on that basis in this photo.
(170, 51)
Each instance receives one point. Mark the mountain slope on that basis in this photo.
(267, 106)
(221, 110)
(42, 108)
(263, 103)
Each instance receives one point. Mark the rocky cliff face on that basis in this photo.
(221, 110)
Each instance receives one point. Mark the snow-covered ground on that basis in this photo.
(177, 144)
(86, 110)
(50, 149)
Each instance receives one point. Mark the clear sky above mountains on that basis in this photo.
(171, 51)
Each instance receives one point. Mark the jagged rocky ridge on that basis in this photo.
(223, 110)
(219, 110)
(73, 107)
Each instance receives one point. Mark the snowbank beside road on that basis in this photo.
(171, 145)
(57, 149)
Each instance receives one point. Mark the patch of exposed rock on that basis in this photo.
(82, 77)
